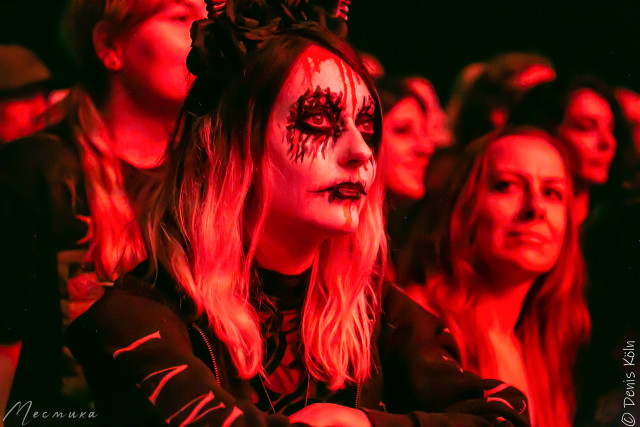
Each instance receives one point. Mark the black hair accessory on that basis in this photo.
(233, 28)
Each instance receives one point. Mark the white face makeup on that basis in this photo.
(318, 139)
(523, 216)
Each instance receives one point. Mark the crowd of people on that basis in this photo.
(236, 218)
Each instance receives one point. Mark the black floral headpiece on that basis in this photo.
(235, 27)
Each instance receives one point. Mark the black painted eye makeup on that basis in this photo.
(365, 120)
(314, 120)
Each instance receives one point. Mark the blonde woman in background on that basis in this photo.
(68, 226)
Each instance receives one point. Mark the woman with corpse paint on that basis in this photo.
(504, 268)
(262, 301)
(68, 227)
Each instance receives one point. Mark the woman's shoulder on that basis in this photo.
(417, 293)
(401, 313)
(128, 310)
(121, 307)
(408, 325)
(137, 298)
(412, 294)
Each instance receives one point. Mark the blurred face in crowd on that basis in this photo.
(630, 104)
(587, 128)
(154, 53)
(522, 216)
(411, 131)
(438, 131)
(320, 140)
(406, 149)
(20, 117)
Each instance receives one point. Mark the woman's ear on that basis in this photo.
(106, 47)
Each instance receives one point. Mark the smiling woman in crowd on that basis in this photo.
(506, 274)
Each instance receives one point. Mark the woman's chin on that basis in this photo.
(340, 224)
(408, 190)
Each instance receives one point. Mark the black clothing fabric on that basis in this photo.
(43, 221)
(151, 359)
(605, 372)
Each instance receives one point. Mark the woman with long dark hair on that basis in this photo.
(504, 269)
(262, 300)
(414, 126)
(581, 113)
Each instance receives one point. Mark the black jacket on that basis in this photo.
(151, 360)
(42, 201)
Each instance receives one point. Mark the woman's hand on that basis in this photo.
(329, 414)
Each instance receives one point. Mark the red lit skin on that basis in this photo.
(519, 234)
(409, 138)
(587, 128)
(406, 149)
(148, 80)
(522, 219)
(299, 218)
(19, 117)
(330, 415)
(630, 104)
(154, 54)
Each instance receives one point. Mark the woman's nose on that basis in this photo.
(532, 206)
(425, 141)
(352, 150)
(607, 140)
(426, 144)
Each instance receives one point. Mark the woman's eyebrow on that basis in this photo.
(585, 118)
(368, 106)
(523, 175)
(319, 94)
(555, 180)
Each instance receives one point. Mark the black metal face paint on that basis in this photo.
(314, 121)
(365, 119)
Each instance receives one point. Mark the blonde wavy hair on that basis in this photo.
(205, 220)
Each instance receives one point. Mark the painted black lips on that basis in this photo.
(344, 191)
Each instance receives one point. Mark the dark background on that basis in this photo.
(434, 38)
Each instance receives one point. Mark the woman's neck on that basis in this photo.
(285, 248)
(139, 134)
(499, 307)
